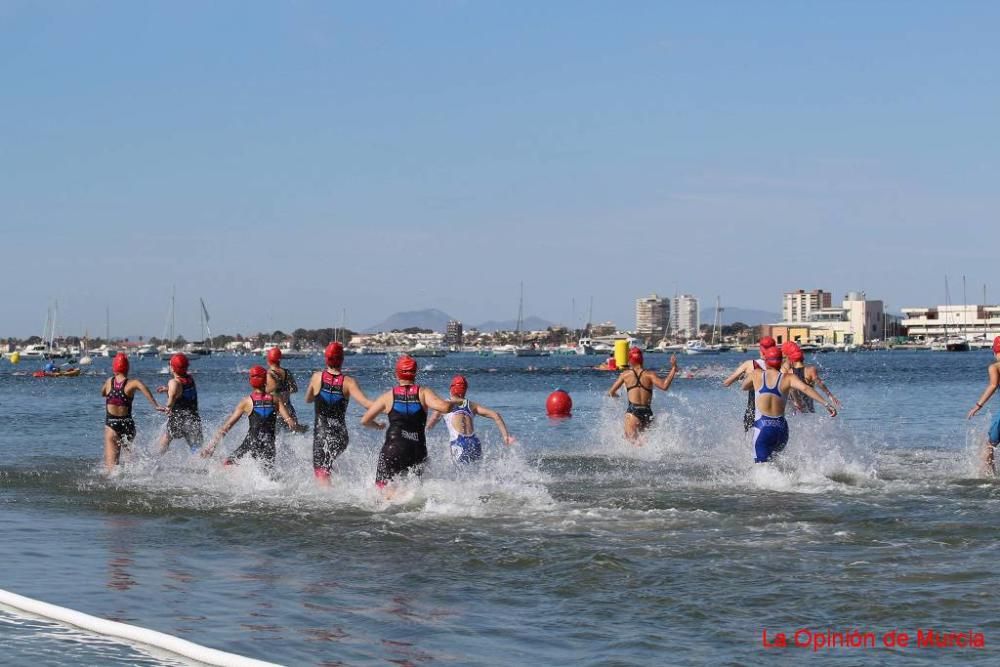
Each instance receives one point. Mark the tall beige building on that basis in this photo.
(652, 316)
(800, 304)
(685, 318)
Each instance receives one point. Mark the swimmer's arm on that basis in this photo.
(272, 383)
(241, 409)
(435, 402)
(139, 385)
(354, 391)
(613, 392)
(664, 383)
(747, 383)
(173, 392)
(311, 390)
(826, 390)
(741, 370)
(293, 386)
(987, 394)
(287, 416)
(378, 406)
(798, 384)
(433, 419)
(106, 388)
(484, 411)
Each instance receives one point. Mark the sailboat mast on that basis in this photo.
(107, 325)
(965, 306)
(947, 302)
(173, 304)
(520, 314)
(52, 334)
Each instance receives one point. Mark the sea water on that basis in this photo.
(570, 547)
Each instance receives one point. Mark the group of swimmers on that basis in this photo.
(778, 378)
(409, 408)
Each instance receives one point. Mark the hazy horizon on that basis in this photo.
(288, 162)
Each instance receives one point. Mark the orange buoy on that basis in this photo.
(559, 404)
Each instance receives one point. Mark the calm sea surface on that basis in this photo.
(571, 547)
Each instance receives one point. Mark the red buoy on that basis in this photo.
(559, 404)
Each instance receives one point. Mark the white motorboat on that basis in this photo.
(699, 347)
(585, 346)
(146, 350)
(503, 350)
(34, 351)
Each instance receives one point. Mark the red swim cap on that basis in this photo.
(120, 363)
(334, 354)
(274, 355)
(459, 386)
(767, 342)
(772, 357)
(406, 368)
(179, 363)
(795, 356)
(787, 347)
(258, 377)
(996, 345)
(635, 356)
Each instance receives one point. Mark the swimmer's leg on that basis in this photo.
(632, 429)
(165, 441)
(112, 450)
(989, 468)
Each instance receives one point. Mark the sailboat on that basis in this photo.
(699, 346)
(951, 343)
(523, 350)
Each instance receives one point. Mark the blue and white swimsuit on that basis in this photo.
(464, 448)
(770, 434)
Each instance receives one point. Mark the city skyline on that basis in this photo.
(288, 163)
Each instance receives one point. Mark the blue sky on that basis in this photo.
(290, 160)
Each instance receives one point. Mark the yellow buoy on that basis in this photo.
(621, 353)
(15, 357)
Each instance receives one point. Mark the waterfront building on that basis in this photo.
(453, 334)
(685, 318)
(603, 329)
(799, 305)
(856, 321)
(969, 321)
(652, 316)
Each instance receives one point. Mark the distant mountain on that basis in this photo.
(432, 319)
(530, 323)
(744, 315)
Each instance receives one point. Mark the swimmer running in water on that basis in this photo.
(280, 382)
(993, 435)
(182, 401)
(330, 390)
(405, 447)
(771, 387)
(119, 427)
(639, 383)
(744, 370)
(465, 445)
(262, 410)
(808, 374)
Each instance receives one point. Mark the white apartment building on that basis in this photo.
(969, 321)
(652, 316)
(799, 305)
(685, 318)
